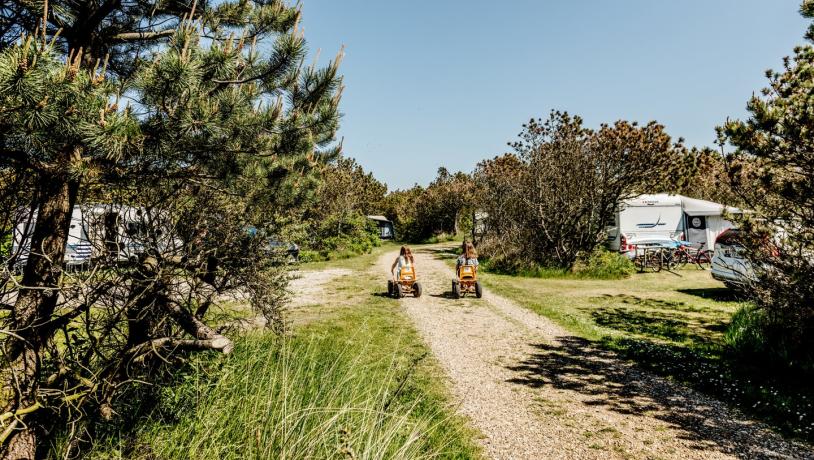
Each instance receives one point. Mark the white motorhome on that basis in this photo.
(117, 232)
(652, 220)
(78, 248)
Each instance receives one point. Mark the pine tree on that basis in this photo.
(777, 146)
(210, 122)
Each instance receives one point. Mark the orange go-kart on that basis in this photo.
(406, 284)
(467, 282)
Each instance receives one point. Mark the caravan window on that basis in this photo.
(610, 221)
(136, 229)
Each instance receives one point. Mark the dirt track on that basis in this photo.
(535, 392)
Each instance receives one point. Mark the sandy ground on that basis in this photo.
(535, 392)
(308, 286)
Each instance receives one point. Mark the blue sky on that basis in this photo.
(432, 83)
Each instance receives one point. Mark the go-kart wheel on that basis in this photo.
(478, 290)
(389, 288)
(416, 290)
(456, 290)
(399, 291)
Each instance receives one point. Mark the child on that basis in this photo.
(469, 257)
(404, 260)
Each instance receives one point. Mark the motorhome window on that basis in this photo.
(135, 228)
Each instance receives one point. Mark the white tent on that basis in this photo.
(705, 220)
(696, 207)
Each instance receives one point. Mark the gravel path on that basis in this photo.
(535, 392)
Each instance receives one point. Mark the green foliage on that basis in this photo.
(606, 265)
(601, 264)
(423, 215)
(223, 132)
(778, 235)
(745, 334)
(334, 222)
(5, 244)
(549, 202)
(338, 237)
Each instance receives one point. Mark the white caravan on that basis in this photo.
(654, 220)
(97, 231)
(78, 248)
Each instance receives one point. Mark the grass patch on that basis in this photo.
(357, 382)
(676, 324)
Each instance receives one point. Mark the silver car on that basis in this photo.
(728, 262)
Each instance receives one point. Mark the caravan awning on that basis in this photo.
(694, 207)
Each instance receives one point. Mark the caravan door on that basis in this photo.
(697, 230)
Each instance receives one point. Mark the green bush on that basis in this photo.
(601, 264)
(606, 265)
(755, 336)
(340, 239)
(745, 333)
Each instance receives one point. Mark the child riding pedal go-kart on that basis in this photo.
(404, 278)
(405, 284)
(466, 271)
(467, 282)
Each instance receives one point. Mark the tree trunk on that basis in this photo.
(34, 307)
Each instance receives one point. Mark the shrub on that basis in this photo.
(745, 334)
(605, 264)
(756, 335)
(601, 264)
(336, 239)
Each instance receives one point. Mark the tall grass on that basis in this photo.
(313, 397)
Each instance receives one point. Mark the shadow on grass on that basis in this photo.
(446, 252)
(718, 294)
(656, 324)
(596, 371)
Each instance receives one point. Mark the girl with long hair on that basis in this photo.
(405, 259)
(469, 256)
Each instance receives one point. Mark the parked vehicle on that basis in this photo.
(386, 229)
(118, 233)
(649, 219)
(78, 249)
(728, 262)
(291, 250)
